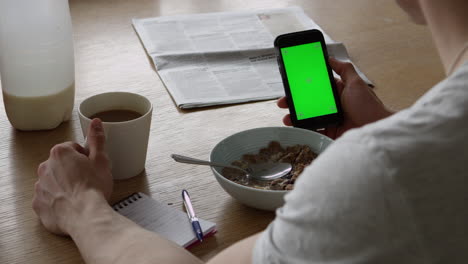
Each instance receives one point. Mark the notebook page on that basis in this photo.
(157, 217)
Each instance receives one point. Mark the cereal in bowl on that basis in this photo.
(299, 156)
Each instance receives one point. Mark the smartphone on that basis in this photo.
(308, 80)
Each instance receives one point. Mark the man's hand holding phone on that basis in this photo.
(360, 104)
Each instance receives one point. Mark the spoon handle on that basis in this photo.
(185, 159)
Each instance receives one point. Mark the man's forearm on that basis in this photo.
(104, 236)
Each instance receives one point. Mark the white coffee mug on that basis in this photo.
(127, 141)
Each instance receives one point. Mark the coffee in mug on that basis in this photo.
(126, 120)
(117, 115)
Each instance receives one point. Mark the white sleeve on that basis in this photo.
(345, 209)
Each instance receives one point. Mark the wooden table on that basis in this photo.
(395, 54)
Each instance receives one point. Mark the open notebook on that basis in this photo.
(157, 217)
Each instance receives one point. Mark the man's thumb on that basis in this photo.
(344, 69)
(96, 137)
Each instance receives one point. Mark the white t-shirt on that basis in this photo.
(391, 192)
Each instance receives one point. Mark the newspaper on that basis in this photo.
(223, 58)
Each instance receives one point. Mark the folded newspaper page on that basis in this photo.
(223, 58)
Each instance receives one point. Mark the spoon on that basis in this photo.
(260, 171)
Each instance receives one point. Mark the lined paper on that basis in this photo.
(160, 218)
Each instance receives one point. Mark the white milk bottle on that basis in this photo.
(36, 62)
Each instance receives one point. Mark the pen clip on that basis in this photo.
(188, 205)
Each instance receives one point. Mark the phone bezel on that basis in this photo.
(299, 38)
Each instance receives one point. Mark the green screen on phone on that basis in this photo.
(308, 80)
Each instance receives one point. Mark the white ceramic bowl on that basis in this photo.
(251, 141)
